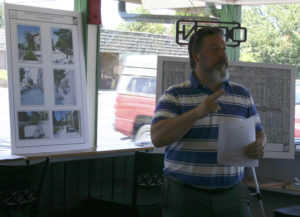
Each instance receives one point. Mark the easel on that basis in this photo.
(257, 192)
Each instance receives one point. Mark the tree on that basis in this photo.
(59, 75)
(1, 17)
(30, 41)
(143, 27)
(22, 74)
(210, 10)
(64, 42)
(273, 34)
(29, 55)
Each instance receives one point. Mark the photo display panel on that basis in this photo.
(46, 76)
(272, 87)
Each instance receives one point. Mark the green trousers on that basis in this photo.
(179, 200)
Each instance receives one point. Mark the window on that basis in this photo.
(125, 122)
(297, 95)
(262, 23)
(142, 85)
(126, 95)
(128, 61)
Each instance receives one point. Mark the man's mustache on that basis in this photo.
(222, 61)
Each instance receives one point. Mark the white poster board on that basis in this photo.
(272, 87)
(46, 77)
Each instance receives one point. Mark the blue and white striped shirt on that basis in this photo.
(193, 159)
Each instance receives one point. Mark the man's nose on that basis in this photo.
(223, 52)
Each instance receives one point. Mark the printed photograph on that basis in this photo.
(64, 87)
(31, 86)
(33, 125)
(66, 124)
(62, 46)
(29, 44)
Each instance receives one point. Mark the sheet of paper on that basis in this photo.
(233, 138)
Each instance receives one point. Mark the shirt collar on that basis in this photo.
(197, 84)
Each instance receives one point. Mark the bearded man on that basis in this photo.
(186, 121)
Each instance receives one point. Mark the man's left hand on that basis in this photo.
(255, 150)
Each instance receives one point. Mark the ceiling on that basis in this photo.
(153, 4)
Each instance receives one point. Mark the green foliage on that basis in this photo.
(30, 56)
(3, 78)
(273, 34)
(64, 42)
(3, 75)
(30, 41)
(1, 16)
(30, 81)
(163, 28)
(35, 118)
(55, 130)
(59, 74)
(22, 74)
(143, 27)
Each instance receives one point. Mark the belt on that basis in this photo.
(193, 187)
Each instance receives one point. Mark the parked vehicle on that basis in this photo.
(135, 101)
(297, 110)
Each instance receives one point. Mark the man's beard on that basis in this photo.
(214, 73)
(219, 75)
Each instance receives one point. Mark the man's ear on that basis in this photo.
(195, 56)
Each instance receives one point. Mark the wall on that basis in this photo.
(281, 169)
(69, 183)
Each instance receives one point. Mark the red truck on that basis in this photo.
(297, 110)
(135, 101)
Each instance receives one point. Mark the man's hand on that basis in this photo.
(255, 150)
(209, 105)
(169, 130)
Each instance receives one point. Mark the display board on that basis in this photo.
(272, 87)
(46, 77)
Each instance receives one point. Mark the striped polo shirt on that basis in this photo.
(193, 159)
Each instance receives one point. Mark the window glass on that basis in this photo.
(297, 95)
(145, 85)
(274, 38)
(124, 117)
(128, 60)
(4, 102)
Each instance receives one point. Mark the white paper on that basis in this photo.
(233, 138)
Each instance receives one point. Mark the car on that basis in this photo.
(135, 100)
(297, 110)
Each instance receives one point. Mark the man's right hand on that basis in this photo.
(167, 131)
(209, 105)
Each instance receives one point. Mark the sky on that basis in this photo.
(109, 9)
(110, 15)
(22, 29)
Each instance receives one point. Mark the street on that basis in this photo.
(4, 118)
(106, 117)
(33, 96)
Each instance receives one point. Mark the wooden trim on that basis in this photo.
(107, 150)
